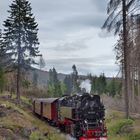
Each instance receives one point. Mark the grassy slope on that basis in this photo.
(18, 122)
(121, 129)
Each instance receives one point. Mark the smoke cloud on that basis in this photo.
(86, 84)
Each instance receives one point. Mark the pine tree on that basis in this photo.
(76, 85)
(20, 37)
(5, 57)
(94, 85)
(99, 85)
(2, 52)
(112, 88)
(4, 62)
(54, 85)
(41, 62)
(103, 83)
(68, 84)
(35, 79)
(54, 76)
(63, 88)
(50, 77)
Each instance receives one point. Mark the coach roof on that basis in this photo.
(46, 100)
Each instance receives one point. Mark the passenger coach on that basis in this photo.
(46, 108)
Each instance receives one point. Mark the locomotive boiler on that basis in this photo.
(82, 116)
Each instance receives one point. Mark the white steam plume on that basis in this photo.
(86, 85)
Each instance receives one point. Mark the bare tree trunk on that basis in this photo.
(132, 97)
(19, 59)
(138, 82)
(136, 90)
(19, 67)
(122, 78)
(126, 70)
(139, 86)
(18, 83)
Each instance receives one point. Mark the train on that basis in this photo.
(81, 116)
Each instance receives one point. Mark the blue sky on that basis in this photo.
(70, 33)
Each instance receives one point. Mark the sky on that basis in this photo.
(70, 33)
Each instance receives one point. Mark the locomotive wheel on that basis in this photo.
(62, 128)
(68, 129)
(75, 131)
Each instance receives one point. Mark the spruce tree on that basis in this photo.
(1, 63)
(68, 84)
(2, 52)
(5, 65)
(42, 63)
(94, 84)
(35, 79)
(54, 85)
(112, 89)
(103, 83)
(54, 76)
(5, 57)
(50, 77)
(20, 37)
(76, 85)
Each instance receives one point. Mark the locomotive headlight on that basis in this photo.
(104, 134)
(85, 121)
(84, 135)
(101, 121)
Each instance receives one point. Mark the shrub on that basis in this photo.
(122, 127)
(36, 135)
(135, 136)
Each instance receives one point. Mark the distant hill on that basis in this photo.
(42, 76)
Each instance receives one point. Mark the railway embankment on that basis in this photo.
(18, 123)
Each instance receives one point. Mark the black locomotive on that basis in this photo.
(82, 116)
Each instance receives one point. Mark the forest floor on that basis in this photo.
(17, 122)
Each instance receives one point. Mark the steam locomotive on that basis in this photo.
(82, 116)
